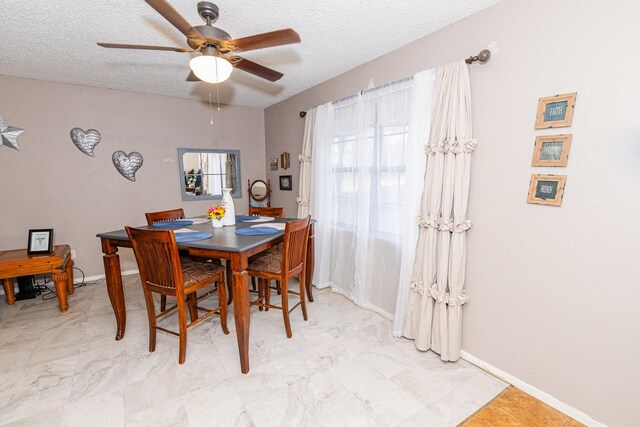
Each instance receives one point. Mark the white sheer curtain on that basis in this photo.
(366, 180)
(304, 192)
(434, 308)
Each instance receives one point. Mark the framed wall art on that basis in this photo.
(546, 189)
(40, 241)
(551, 150)
(555, 111)
(285, 183)
(273, 164)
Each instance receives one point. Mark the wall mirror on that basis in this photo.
(204, 173)
(259, 193)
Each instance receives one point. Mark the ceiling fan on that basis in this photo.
(216, 46)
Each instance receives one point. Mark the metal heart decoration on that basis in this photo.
(127, 164)
(85, 141)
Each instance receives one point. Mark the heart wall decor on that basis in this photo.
(85, 141)
(127, 164)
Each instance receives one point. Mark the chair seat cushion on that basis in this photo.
(268, 262)
(194, 271)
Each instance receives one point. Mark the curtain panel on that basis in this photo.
(304, 191)
(366, 178)
(434, 307)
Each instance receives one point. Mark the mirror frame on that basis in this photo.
(190, 197)
(266, 193)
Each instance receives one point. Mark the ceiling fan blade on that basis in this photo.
(255, 69)
(143, 47)
(192, 77)
(170, 14)
(260, 41)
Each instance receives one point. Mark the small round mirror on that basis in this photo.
(258, 190)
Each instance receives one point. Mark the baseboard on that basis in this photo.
(533, 391)
(102, 276)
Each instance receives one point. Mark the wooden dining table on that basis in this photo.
(224, 244)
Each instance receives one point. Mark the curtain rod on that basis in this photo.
(483, 57)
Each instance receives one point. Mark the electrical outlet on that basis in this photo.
(74, 255)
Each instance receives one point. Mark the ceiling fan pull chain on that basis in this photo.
(217, 87)
(210, 110)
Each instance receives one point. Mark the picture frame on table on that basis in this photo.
(40, 241)
(286, 182)
(551, 150)
(273, 164)
(546, 189)
(555, 111)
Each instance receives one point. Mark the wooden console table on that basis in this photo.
(16, 263)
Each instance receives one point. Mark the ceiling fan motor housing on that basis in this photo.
(208, 11)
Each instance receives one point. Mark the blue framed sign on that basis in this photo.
(546, 189)
(551, 150)
(555, 111)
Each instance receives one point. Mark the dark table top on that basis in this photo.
(224, 239)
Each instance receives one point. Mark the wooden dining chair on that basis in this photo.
(282, 266)
(266, 211)
(162, 272)
(164, 215)
(159, 216)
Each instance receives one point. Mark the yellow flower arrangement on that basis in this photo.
(216, 212)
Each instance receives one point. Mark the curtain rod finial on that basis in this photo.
(303, 113)
(483, 57)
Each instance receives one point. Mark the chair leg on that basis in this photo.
(163, 302)
(253, 283)
(278, 287)
(267, 290)
(151, 314)
(222, 302)
(192, 302)
(303, 288)
(182, 321)
(260, 294)
(285, 307)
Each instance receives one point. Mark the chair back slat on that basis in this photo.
(266, 211)
(157, 256)
(296, 234)
(164, 215)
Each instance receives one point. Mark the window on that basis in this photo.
(381, 154)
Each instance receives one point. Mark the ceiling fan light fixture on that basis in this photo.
(211, 68)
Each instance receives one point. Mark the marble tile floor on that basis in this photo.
(341, 368)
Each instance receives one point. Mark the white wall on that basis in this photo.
(49, 183)
(553, 291)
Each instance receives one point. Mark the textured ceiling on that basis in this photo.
(56, 41)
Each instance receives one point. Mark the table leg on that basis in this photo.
(308, 273)
(114, 285)
(229, 281)
(239, 264)
(69, 270)
(60, 280)
(7, 284)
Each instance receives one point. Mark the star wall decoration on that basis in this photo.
(9, 134)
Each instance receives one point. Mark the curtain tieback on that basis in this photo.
(441, 297)
(304, 159)
(446, 146)
(302, 202)
(444, 225)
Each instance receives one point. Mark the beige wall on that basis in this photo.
(553, 291)
(49, 183)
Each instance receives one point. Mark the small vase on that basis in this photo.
(217, 223)
(229, 217)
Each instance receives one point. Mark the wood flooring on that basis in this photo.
(513, 407)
